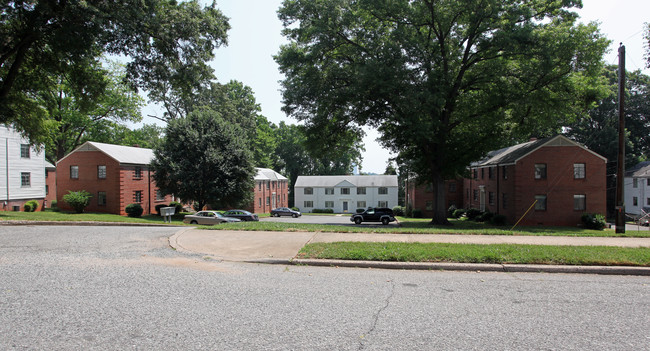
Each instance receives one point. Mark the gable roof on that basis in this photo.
(355, 180)
(641, 169)
(268, 174)
(121, 154)
(510, 155)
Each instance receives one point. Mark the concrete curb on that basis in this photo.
(476, 267)
(87, 223)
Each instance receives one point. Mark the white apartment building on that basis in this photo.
(22, 171)
(637, 189)
(345, 193)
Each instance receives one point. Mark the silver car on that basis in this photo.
(208, 218)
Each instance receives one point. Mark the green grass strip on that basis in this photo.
(473, 253)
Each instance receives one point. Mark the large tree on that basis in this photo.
(443, 80)
(167, 44)
(205, 159)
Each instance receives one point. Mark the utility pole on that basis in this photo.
(620, 173)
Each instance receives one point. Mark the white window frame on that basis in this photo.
(382, 190)
(329, 191)
(329, 204)
(25, 179)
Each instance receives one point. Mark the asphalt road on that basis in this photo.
(110, 288)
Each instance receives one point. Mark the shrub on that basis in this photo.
(28, 207)
(458, 213)
(158, 208)
(417, 213)
(485, 216)
(498, 219)
(360, 210)
(398, 211)
(450, 211)
(178, 205)
(54, 205)
(593, 221)
(78, 200)
(409, 211)
(295, 208)
(134, 210)
(321, 210)
(472, 213)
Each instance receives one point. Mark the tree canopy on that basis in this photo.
(206, 160)
(444, 81)
(167, 45)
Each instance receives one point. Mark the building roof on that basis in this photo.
(641, 169)
(49, 166)
(510, 155)
(355, 180)
(268, 174)
(121, 154)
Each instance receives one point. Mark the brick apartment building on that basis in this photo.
(550, 181)
(114, 175)
(271, 191)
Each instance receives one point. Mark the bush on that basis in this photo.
(54, 205)
(593, 221)
(28, 207)
(398, 211)
(321, 210)
(472, 213)
(178, 205)
(450, 211)
(417, 213)
(78, 200)
(360, 210)
(498, 219)
(485, 216)
(134, 210)
(458, 213)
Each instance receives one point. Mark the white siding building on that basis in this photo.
(345, 194)
(22, 171)
(637, 189)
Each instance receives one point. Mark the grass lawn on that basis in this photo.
(83, 217)
(470, 253)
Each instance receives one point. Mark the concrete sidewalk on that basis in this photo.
(282, 247)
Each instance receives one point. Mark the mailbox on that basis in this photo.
(167, 213)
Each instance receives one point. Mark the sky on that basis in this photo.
(255, 36)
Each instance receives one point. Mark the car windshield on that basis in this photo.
(217, 214)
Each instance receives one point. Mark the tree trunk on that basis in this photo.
(439, 203)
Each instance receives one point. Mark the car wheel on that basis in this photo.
(194, 222)
(385, 221)
(357, 220)
(294, 215)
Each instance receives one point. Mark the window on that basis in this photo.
(101, 198)
(101, 172)
(504, 170)
(491, 198)
(74, 172)
(361, 191)
(490, 173)
(24, 150)
(383, 190)
(579, 171)
(382, 204)
(25, 179)
(329, 191)
(482, 173)
(635, 201)
(475, 195)
(540, 171)
(160, 196)
(309, 204)
(268, 184)
(259, 199)
(579, 202)
(635, 183)
(345, 191)
(452, 187)
(504, 200)
(137, 173)
(329, 204)
(309, 191)
(361, 204)
(47, 189)
(429, 188)
(475, 173)
(540, 205)
(429, 205)
(137, 196)
(647, 182)
(648, 201)
(259, 186)
(268, 200)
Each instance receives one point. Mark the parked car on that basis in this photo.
(208, 218)
(383, 215)
(285, 211)
(241, 215)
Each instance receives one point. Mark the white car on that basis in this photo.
(208, 218)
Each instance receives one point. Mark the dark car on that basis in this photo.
(284, 211)
(383, 215)
(242, 215)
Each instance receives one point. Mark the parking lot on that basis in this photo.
(338, 219)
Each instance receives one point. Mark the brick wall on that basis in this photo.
(264, 192)
(421, 197)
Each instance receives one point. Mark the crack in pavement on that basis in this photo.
(376, 317)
